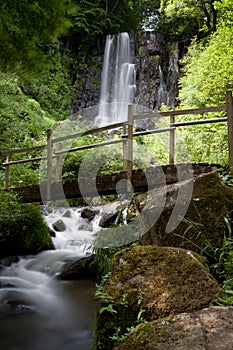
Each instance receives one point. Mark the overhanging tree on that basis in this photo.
(27, 28)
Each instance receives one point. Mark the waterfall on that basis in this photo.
(118, 83)
(162, 90)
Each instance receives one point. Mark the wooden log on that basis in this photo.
(49, 164)
(142, 180)
(130, 148)
(93, 145)
(172, 141)
(7, 172)
(194, 111)
(58, 164)
(125, 148)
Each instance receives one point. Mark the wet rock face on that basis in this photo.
(81, 268)
(156, 63)
(161, 281)
(59, 226)
(208, 329)
(88, 213)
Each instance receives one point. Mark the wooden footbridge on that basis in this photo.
(129, 179)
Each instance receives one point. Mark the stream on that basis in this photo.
(38, 311)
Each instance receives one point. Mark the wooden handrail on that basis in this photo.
(126, 138)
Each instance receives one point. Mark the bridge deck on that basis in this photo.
(142, 181)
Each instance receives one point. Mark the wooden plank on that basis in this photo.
(172, 141)
(58, 164)
(93, 145)
(148, 132)
(130, 148)
(7, 172)
(200, 121)
(194, 111)
(29, 160)
(142, 180)
(49, 164)
(88, 132)
(22, 150)
(153, 114)
(125, 148)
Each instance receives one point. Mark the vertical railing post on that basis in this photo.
(125, 148)
(229, 106)
(130, 148)
(58, 163)
(172, 142)
(49, 164)
(7, 172)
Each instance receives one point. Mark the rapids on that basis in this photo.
(38, 311)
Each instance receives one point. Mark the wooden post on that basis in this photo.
(58, 163)
(49, 164)
(7, 172)
(229, 106)
(125, 148)
(130, 148)
(172, 142)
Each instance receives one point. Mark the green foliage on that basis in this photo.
(101, 17)
(206, 143)
(27, 28)
(23, 123)
(53, 90)
(184, 19)
(22, 120)
(207, 69)
(219, 259)
(123, 307)
(226, 176)
(22, 227)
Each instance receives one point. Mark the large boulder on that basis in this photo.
(208, 329)
(151, 282)
(82, 268)
(202, 226)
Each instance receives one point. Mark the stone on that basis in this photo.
(211, 202)
(81, 268)
(111, 214)
(207, 329)
(67, 214)
(59, 226)
(52, 232)
(88, 213)
(161, 281)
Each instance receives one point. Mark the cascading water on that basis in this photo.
(118, 81)
(37, 311)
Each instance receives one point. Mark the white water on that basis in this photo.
(37, 311)
(118, 81)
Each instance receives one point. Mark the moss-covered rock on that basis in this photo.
(204, 222)
(149, 282)
(23, 229)
(210, 328)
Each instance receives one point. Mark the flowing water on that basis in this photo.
(118, 82)
(38, 311)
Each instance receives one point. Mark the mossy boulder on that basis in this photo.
(211, 328)
(149, 282)
(23, 229)
(204, 221)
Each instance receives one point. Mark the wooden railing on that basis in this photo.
(126, 138)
